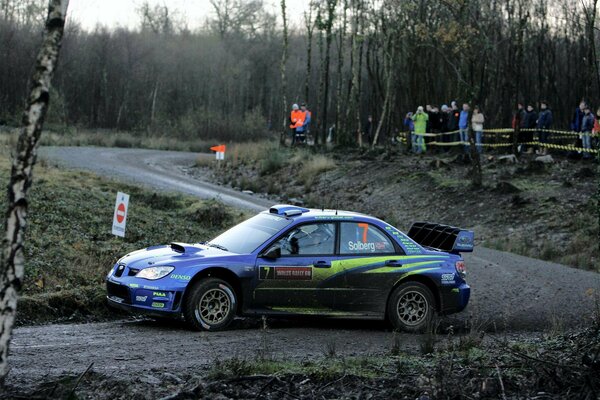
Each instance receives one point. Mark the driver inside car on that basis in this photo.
(317, 241)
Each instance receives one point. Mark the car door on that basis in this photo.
(363, 250)
(294, 281)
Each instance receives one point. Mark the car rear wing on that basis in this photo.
(442, 237)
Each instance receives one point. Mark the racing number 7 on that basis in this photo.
(365, 230)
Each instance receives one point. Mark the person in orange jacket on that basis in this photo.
(297, 117)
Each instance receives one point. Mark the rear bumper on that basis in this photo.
(454, 299)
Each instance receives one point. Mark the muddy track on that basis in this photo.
(509, 293)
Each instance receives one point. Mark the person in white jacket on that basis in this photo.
(477, 121)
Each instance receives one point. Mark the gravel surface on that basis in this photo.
(155, 169)
(509, 293)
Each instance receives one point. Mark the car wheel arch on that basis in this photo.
(220, 273)
(428, 282)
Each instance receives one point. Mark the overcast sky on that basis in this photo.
(113, 13)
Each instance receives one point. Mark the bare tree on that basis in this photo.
(239, 16)
(12, 259)
(284, 56)
(326, 25)
(310, 26)
(341, 41)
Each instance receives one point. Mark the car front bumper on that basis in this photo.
(143, 298)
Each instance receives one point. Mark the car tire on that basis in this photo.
(411, 307)
(210, 306)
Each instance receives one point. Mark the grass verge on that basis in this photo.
(69, 247)
(110, 138)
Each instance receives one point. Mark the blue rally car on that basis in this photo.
(291, 260)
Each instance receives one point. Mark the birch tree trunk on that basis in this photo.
(283, 75)
(12, 259)
(331, 5)
(357, 93)
(389, 56)
(310, 26)
(339, 126)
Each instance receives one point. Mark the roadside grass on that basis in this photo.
(324, 369)
(69, 247)
(313, 166)
(559, 365)
(582, 251)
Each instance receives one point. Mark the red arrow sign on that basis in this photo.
(120, 213)
(219, 149)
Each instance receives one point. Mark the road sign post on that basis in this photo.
(220, 151)
(120, 215)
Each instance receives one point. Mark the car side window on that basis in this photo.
(363, 238)
(309, 239)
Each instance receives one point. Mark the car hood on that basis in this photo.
(173, 254)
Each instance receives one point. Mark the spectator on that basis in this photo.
(453, 116)
(544, 123)
(420, 119)
(587, 125)
(303, 129)
(517, 122)
(410, 125)
(428, 111)
(435, 124)
(477, 121)
(463, 126)
(521, 116)
(529, 123)
(435, 120)
(296, 120)
(578, 117)
(444, 120)
(368, 131)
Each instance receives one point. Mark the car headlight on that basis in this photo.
(154, 273)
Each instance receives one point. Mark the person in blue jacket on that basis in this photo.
(303, 130)
(587, 126)
(410, 125)
(463, 126)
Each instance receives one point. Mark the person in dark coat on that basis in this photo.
(544, 122)
(444, 119)
(578, 117)
(529, 122)
(453, 116)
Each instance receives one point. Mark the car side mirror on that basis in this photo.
(273, 253)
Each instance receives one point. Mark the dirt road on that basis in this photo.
(162, 170)
(509, 292)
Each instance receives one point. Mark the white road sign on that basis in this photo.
(120, 217)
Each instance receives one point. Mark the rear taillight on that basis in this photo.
(461, 268)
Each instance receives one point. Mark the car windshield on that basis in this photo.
(247, 236)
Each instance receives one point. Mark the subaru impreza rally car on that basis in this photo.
(291, 260)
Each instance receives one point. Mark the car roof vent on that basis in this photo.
(287, 210)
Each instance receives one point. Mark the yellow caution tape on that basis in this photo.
(494, 145)
(507, 133)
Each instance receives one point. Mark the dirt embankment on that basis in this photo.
(545, 211)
